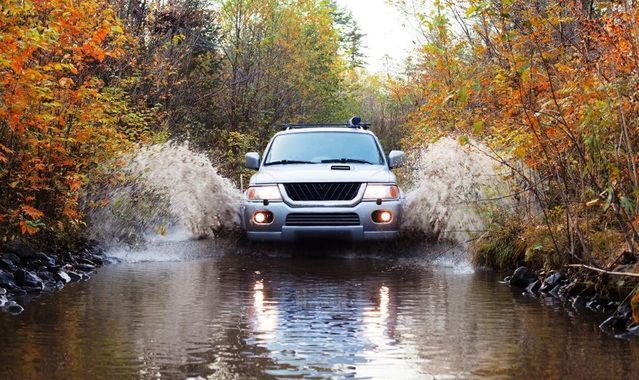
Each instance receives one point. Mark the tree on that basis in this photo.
(57, 117)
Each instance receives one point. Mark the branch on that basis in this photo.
(604, 271)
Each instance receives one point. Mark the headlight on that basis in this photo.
(374, 192)
(261, 193)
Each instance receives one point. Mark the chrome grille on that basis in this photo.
(342, 191)
(322, 219)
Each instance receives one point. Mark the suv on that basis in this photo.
(328, 180)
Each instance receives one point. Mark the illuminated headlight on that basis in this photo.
(374, 192)
(263, 217)
(261, 193)
(382, 216)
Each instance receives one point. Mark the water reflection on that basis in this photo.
(231, 316)
(264, 314)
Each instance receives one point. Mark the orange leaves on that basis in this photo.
(71, 212)
(74, 185)
(54, 122)
(92, 50)
(27, 228)
(65, 82)
(33, 213)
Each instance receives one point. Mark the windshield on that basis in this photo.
(324, 147)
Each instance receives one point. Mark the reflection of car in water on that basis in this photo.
(327, 180)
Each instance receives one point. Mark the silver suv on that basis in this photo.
(326, 180)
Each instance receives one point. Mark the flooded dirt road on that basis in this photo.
(231, 315)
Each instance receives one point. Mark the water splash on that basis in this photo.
(457, 188)
(165, 192)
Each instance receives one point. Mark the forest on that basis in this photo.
(548, 88)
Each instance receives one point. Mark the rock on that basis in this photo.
(3, 301)
(533, 288)
(68, 257)
(550, 282)
(13, 308)
(63, 276)
(522, 277)
(28, 279)
(569, 290)
(75, 277)
(86, 261)
(10, 256)
(18, 291)
(33, 289)
(579, 303)
(20, 249)
(85, 267)
(3, 291)
(97, 259)
(630, 333)
(48, 280)
(46, 276)
(7, 280)
(43, 259)
(594, 304)
(50, 286)
(7, 264)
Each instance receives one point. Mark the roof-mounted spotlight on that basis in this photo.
(355, 122)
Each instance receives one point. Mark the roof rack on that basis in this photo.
(354, 122)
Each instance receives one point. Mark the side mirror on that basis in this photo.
(252, 160)
(395, 159)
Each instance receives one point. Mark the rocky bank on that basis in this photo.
(26, 272)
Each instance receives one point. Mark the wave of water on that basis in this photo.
(166, 192)
(170, 193)
(456, 188)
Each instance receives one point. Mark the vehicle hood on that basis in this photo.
(322, 173)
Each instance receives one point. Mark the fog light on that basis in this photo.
(382, 216)
(263, 217)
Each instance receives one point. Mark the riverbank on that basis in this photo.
(583, 289)
(27, 272)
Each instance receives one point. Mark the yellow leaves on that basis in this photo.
(519, 152)
(5, 149)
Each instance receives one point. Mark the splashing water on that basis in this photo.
(167, 192)
(456, 188)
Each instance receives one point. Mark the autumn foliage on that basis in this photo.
(552, 87)
(55, 115)
(82, 81)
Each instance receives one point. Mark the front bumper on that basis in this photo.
(279, 231)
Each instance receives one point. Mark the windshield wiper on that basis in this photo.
(286, 162)
(346, 160)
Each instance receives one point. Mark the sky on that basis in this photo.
(387, 32)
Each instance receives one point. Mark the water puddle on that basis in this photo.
(218, 313)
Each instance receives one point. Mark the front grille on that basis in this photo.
(344, 191)
(322, 219)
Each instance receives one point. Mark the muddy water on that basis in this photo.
(229, 315)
